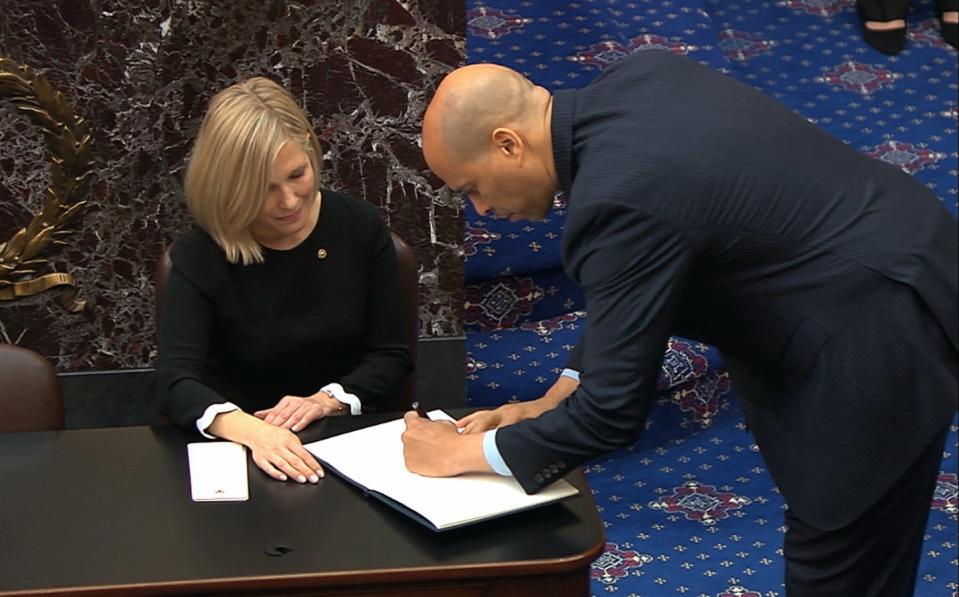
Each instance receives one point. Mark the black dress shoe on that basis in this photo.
(949, 31)
(889, 41)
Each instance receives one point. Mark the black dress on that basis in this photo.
(290, 325)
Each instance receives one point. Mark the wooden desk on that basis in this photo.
(108, 511)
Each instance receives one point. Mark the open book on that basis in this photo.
(372, 458)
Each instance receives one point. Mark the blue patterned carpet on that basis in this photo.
(690, 509)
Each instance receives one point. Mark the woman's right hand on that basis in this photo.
(276, 451)
(279, 453)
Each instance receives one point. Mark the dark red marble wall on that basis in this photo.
(141, 72)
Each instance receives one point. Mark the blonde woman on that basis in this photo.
(281, 306)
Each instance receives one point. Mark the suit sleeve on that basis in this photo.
(387, 360)
(575, 360)
(630, 266)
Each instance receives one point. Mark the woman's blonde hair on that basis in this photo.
(231, 165)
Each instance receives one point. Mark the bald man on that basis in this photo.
(702, 208)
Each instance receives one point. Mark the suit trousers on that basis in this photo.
(877, 555)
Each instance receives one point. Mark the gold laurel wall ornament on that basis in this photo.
(68, 150)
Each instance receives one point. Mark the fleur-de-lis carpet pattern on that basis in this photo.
(690, 509)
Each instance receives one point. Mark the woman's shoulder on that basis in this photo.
(364, 212)
(361, 217)
(196, 254)
(192, 244)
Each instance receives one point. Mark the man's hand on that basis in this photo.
(512, 413)
(296, 412)
(436, 449)
(277, 451)
(508, 414)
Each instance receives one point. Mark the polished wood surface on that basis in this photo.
(108, 512)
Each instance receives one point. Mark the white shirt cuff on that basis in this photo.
(572, 373)
(492, 455)
(204, 422)
(336, 391)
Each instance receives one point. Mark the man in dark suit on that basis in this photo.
(700, 207)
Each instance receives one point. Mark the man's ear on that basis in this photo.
(507, 142)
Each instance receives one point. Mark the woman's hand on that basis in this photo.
(296, 412)
(277, 451)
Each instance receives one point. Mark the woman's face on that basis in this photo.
(286, 211)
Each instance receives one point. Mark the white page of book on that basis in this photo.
(373, 458)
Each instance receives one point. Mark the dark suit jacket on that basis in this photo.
(700, 207)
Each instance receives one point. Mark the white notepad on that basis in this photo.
(218, 472)
(372, 458)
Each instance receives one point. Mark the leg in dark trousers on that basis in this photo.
(875, 556)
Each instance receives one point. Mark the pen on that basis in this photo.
(419, 409)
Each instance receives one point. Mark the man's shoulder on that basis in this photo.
(654, 56)
(644, 61)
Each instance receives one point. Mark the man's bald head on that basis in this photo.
(474, 100)
(487, 135)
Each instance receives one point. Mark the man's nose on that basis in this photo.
(480, 207)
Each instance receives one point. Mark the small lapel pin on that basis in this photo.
(321, 253)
